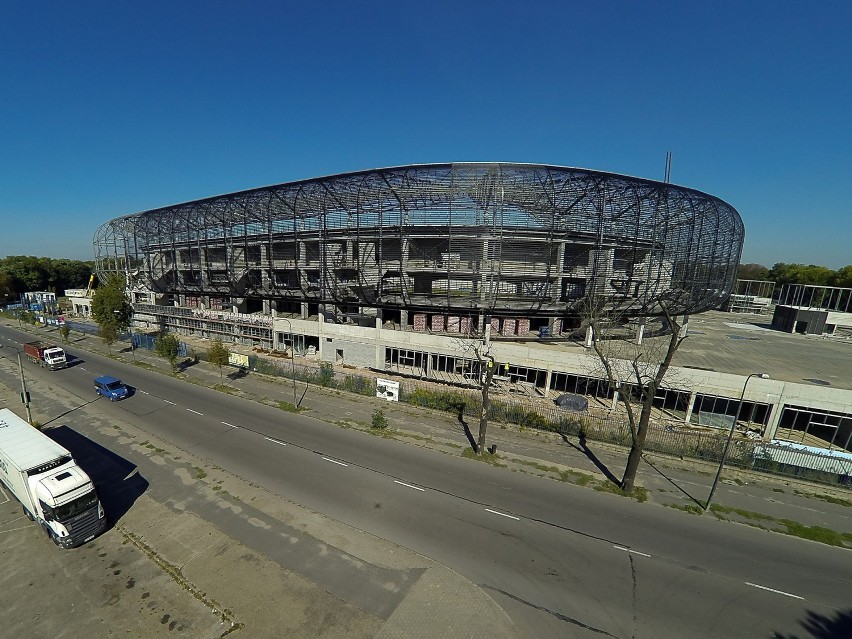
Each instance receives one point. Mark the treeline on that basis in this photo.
(783, 273)
(21, 273)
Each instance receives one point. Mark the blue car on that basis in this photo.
(111, 387)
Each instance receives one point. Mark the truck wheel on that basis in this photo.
(27, 513)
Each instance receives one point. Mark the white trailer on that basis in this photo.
(53, 490)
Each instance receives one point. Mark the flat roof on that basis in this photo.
(744, 343)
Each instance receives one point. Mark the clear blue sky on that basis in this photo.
(109, 108)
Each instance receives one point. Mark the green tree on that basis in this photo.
(108, 335)
(218, 355)
(111, 306)
(64, 331)
(842, 277)
(752, 272)
(167, 346)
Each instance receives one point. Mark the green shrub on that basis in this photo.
(380, 422)
(325, 377)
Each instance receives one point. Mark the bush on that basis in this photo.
(379, 422)
(326, 375)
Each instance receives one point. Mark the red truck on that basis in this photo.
(46, 354)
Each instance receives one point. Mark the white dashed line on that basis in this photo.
(503, 514)
(168, 402)
(195, 411)
(274, 441)
(334, 461)
(777, 592)
(632, 552)
(231, 425)
(402, 483)
(144, 393)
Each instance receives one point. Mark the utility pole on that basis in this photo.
(25, 396)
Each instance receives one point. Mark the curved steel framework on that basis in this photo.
(492, 238)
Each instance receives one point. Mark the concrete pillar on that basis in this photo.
(380, 350)
(590, 334)
(547, 381)
(776, 404)
(692, 396)
(304, 311)
(615, 397)
(640, 332)
(403, 319)
(321, 335)
(684, 327)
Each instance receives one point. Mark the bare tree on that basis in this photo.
(635, 366)
(484, 368)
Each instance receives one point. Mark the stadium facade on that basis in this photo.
(464, 241)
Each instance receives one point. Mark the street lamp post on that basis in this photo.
(292, 356)
(731, 437)
(25, 396)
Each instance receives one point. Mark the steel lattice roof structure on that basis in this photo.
(497, 238)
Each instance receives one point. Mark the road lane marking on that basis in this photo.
(274, 441)
(633, 552)
(496, 512)
(777, 592)
(231, 425)
(195, 411)
(334, 461)
(143, 392)
(168, 402)
(402, 483)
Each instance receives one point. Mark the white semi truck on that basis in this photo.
(54, 491)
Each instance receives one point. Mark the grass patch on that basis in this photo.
(786, 526)
(639, 493)
(200, 473)
(288, 407)
(487, 458)
(537, 466)
(692, 509)
(415, 436)
(576, 477)
(721, 512)
(224, 388)
(816, 533)
(831, 499)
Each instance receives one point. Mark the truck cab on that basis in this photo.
(111, 387)
(67, 506)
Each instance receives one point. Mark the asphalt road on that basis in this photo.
(560, 559)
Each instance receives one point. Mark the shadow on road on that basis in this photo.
(464, 425)
(117, 480)
(584, 448)
(70, 410)
(240, 373)
(824, 626)
(672, 482)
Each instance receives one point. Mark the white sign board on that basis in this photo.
(387, 389)
(238, 359)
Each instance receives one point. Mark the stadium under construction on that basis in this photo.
(399, 270)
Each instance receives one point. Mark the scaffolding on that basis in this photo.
(466, 239)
